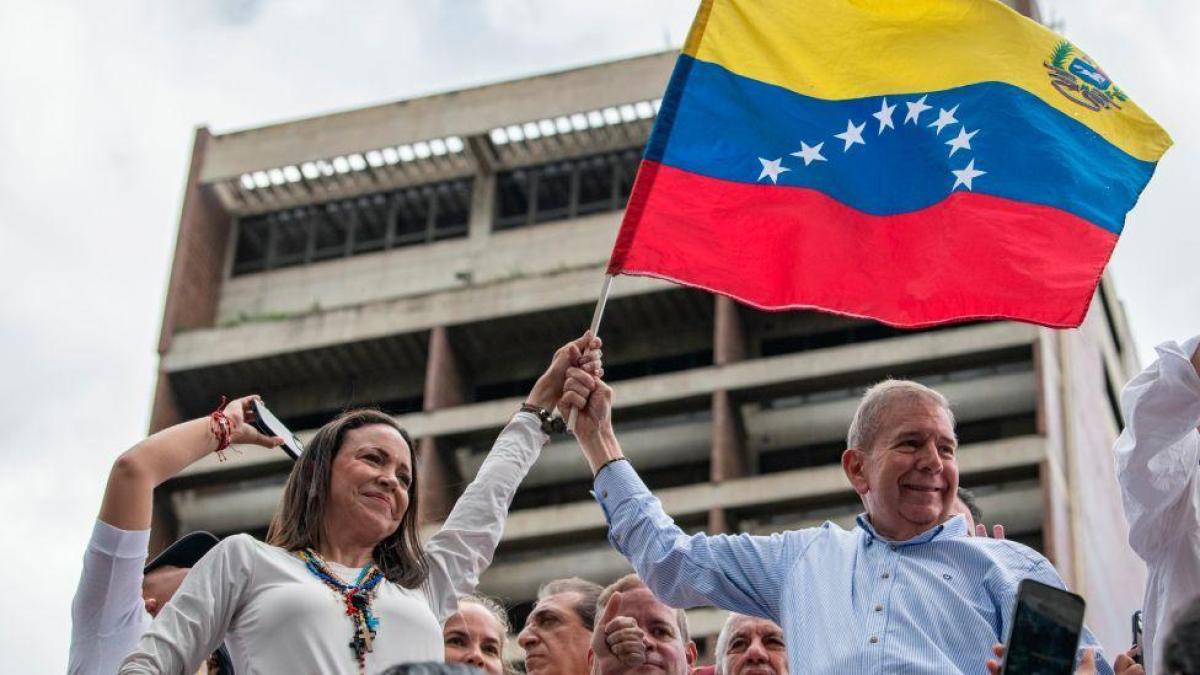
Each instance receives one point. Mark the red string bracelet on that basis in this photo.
(222, 429)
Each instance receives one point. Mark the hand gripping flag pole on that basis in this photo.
(596, 316)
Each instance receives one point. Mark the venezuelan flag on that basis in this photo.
(912, 161)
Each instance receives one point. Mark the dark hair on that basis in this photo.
(589, 593)
(1181, 649)
(967, 497)
(298, 519)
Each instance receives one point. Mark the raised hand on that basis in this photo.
(619, 637)
(240, 414)
(1125, 665)
(997, 530)
(583, 353)
(586, 392)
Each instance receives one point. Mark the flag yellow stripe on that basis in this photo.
(841, 49)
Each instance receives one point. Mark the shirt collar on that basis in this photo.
(955, 527)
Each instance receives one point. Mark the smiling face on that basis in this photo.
(473, 636)
(755, 647)
(666, 653)
(369, 484)
(554, 638)
(909, 477)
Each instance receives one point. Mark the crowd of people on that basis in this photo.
(344, 584)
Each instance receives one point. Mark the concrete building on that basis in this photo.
(427, 256)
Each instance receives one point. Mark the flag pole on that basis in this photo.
(596, 316)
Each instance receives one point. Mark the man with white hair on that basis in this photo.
(748, 645)
(904, 591)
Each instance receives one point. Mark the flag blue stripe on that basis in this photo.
(719, 124)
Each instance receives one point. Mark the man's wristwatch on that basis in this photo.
(550, 423)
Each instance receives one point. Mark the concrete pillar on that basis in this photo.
(483, 199)
(729, 335)
(730, 458)
(443, 389)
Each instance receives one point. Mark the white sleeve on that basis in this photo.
(1158, 453)
(193, 623)
(107, 613)
(460, 551)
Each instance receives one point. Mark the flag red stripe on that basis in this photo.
(970, 256)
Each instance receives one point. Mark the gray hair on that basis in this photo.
(493, 607)
(865, 425)
(723, 642)
(589, 593)
(498, 613)
(726, 635)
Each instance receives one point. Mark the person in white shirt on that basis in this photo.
(343, 583)
(118, 592)
(1158, 465)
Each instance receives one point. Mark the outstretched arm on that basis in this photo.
(740, 573)
(129, 496)
(108, 612)
(462, 549)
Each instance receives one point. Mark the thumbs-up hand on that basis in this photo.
(619, 636)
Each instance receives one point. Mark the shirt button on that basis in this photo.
(878, 608)
(605, 493)
(893, 547)
(885, 575)
(874, 639)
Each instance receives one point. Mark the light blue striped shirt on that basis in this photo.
(848, 601)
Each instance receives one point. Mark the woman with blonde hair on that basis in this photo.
(475, 635)
(343, 583)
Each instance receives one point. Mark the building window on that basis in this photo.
(565, 189)
(375, 222)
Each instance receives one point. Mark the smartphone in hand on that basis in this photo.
(266, 422)
(1137, 636)
(1044, 633)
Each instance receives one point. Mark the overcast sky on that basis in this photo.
(98, 102)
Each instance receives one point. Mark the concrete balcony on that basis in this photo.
(762, 376)
(251, 507)
(767, 430)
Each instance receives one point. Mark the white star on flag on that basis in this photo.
(962, 141)
(915, 108)
(852, 134)
(945, 117)
(809, 153)
(964, 176)
(884, 116)
(772, 168)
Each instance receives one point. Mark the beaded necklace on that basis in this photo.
(357, 597)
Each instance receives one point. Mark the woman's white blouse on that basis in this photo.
(276, 617)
